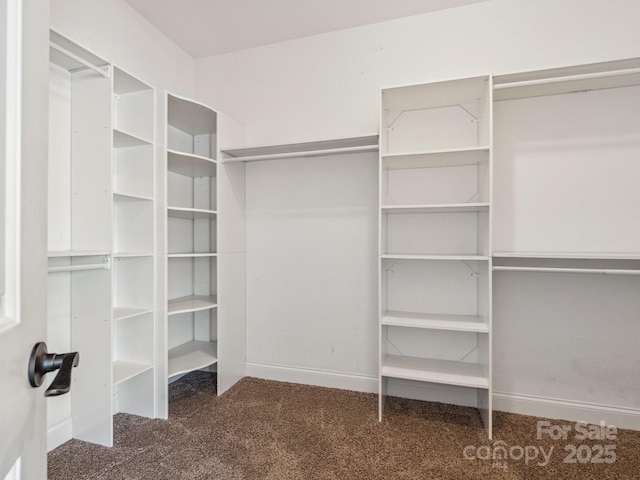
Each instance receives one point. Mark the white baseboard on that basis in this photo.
(320, 378)
(567, 410)
(59, 433)
(504, 402)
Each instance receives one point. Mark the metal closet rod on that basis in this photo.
(569, 78)
(599, 271)
(78, 59)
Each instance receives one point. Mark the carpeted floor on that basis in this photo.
(268, 430)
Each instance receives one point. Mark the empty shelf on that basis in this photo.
(191, 303)
(436, 158)
(190, 165)
(123, 371)
(435, 371)
(124, 140)
(130, 197)
(435, 321)
(569, 256)
(124, 83)
(191, 255)
(395, 256)
(445, 208)
(367, 143)
(190, 213)
(191, 356)
(191, 117)
(132, 254)
(120, 313)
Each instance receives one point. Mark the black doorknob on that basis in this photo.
(41, 363)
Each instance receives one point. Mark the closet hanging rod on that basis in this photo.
(568, 78)
(599, 271)
(76, 268)
(78, 59)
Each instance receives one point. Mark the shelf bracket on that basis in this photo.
(468, 265)
(470, 352)
(395, 119)
(389, 268)
(468, 112)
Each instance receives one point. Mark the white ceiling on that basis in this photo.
(211, 27)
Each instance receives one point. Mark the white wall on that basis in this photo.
(311, 227)
(327, 86)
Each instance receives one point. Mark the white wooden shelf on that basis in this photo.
(191, 356)
(566, 83)
(435, 321)
(435, 371)
(395, 256)
(436, 158)
(72, 57)
(124, 83)
(190, 213)
(444, 208)
(435, 95)
(123, 371)
(191, 117)
(122, 313)
(130, 197)
(568, 256)
(191, 255)
(190, 165)
(339, 146)
(124, 140)
(192, 303)
(132, 254)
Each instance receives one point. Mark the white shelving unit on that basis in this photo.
(79, 239)
(134, 287)
(435, 241)
(101, 241)
(192, 320)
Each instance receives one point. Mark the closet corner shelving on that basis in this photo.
(192, 223)
(435, 241)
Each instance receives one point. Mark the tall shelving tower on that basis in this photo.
(435, 242)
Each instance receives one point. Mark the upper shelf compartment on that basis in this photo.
(624, 73)
(134, 104)
(436, 116)
(191, 127)
(66, 54)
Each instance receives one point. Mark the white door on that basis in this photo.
(24, 33)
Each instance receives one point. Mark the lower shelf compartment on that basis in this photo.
(435, 371)
(123, 371)
(192, 356)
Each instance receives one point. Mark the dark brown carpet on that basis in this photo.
(268, 430)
